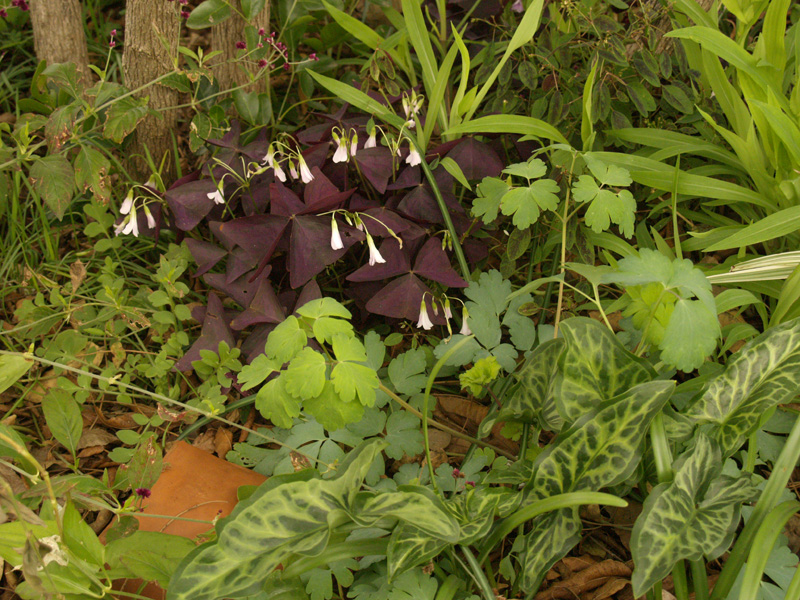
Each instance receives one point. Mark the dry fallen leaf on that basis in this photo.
(95, 437)
(223, 442)
(77, 273)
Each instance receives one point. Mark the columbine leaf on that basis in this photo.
(327, 328)
(351, 379)
(403, 435)
(257, 371)
(331, 411)
(347, 347)
(533, 169)
(607, 174)
(407, 372)
(695, 514)
(305, 376)
(608, 207)
(595, 367)
(286, 340)
(585, 189)
(276, 404)
(525, 202)
(690, 335)
(761, 375)
(487, 203)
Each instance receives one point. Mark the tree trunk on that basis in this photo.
(224, 36)
(58, 35)
(152, 30)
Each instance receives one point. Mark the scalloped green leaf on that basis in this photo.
(696, 514)
(486, 204)
(286, 340)
(761, 375)
(331, 411)
(276, 404)
(351, 379)
(595, 368)
(305, 376)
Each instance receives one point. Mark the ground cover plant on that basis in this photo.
(500, 298)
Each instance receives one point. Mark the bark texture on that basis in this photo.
(224, 36)
(151, 41)
(58, 35)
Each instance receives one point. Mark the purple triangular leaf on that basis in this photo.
(432, 263)
(205, 254)
(310, 247)
(239, 263)
(223, 237)
(231, 137)
(397, 263)
(189, 203)
(309, 292)
(255, 343)
(257, 235)
(402, 299)
(476, 159)
(379, 219)
(256, 199)
(409, 177)
(376, 165)
(215, 330)
(264, 308)
(284, 201)
(243, 290)
(315, 156)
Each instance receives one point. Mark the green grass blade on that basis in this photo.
(778, 224)
(437, 96)
(509, 124)
(357, 98)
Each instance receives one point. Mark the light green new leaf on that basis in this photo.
(607, 174)
(286, 340)
(487, 203)
(257, 371)
(12, 367)
(690, 336)
(410, 546)
(413, 504)
(276, 404)
(324, 307)
(54, 180)
(595, 367)
(351, 379)
(331, 411)
(604, 446)
(694, 515)
(482, 373)
(63, 417)
(533, 169)
(305, 376)
(407, 372)
(326, 328)
(347, 347)
(761, 375)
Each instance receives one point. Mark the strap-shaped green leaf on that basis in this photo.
(410, 546)
(761, 375)
(595, 367)
(695, 514)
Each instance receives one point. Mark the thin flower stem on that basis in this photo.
(437, 425)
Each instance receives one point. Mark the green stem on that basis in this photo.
(425, 400)
(478, 575)
(661, 450)
(505, 526)
(699, 579)
(457, 249)
(793, 591)
(770, 497)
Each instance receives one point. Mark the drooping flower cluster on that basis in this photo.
(130, 222)
(425, 322)
(295, 161)
(346, 144)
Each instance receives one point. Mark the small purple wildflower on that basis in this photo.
(313, 56)
(259, 45)
(469, 483)
(142, 492)
(185, 14)
(457, 474)
(261, 32)
(262, 63)
(112, 43)
(241, 45)
(286, 66)
(3, 13)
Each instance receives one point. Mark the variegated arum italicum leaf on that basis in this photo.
(478, 507)
(594, 367)
(762, 374)
(410, 546)
(696, 514)
(533, 402)
(289, 514)
(601, 449)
